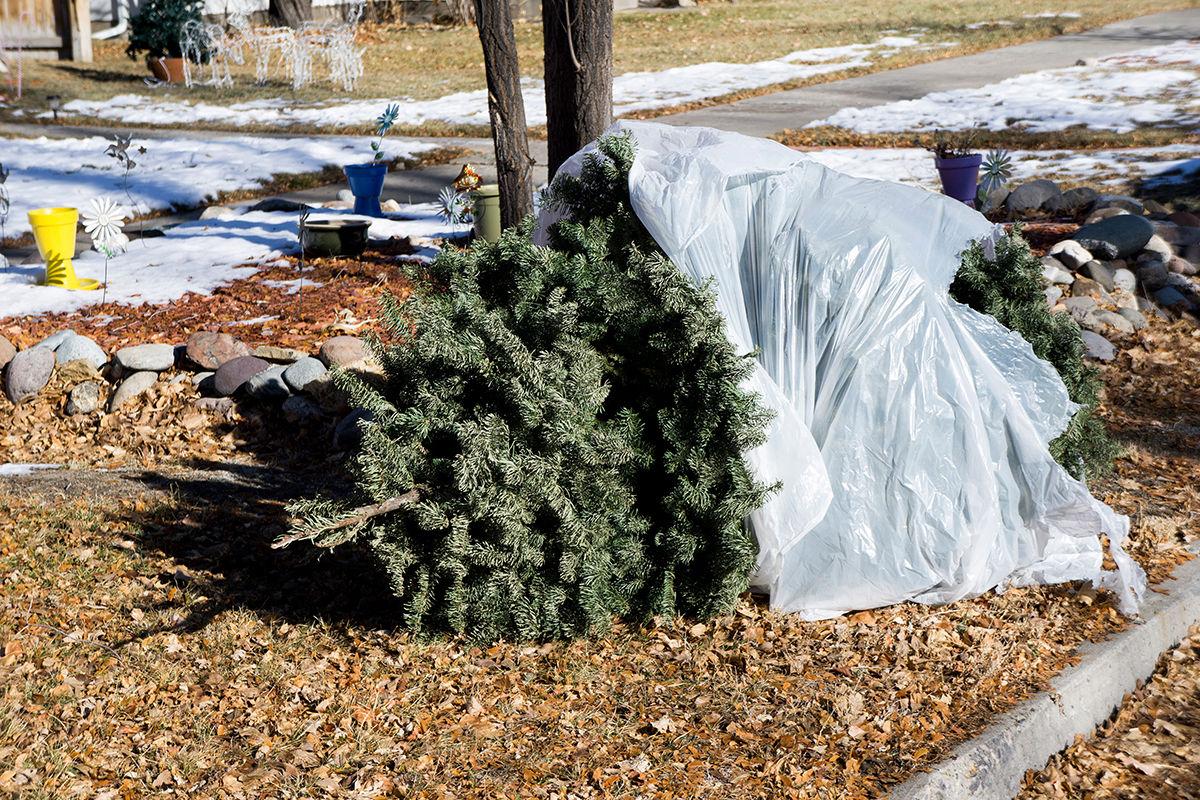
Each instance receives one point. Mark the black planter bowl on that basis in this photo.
(334, 237)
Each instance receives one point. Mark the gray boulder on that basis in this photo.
(1097, 347)
(80, 348)
(1152, 275)
(1074, 202)
(1079, 307)
(1176, 264)
(1103, 213)
(1032, 197)
(303, 372)
(1071, 253)
(1156, 244)
(1100, 274)
(28, 372)
(1053, 295)
(1100, 320)
(84, 398)
(231, 375)
(145, 358)
(132, 387)
(55, 339)
(268, 385)
(1121, 201)
(1135, 317)
(1125, 234)
(1170, 297)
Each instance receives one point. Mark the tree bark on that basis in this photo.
(577, 36)
(289, 13)
(506, 109)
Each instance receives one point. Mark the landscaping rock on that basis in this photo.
(7, 351)
(28, 371)
(1053, 295)
(1147, 307)
(201, 377)
(84, 398)
(1125, 234)
(1079, 307)
(1103, 213)
(994, 202)
(1152, 275)
(218, 212)
(1121, 201)
(1124, 280)
(268, 385)
(347, 435)
(342, 351)
(281, 354)
(231, 375)
(1071, 253)
(1034, 196)
(1054, 272)
(1176, 264)
(1170, 297)
(210, 349)
(216, 405)
(1074, 202)
(1100, 274)
(303, 372)
(1086, 287)
(1108, 319)
(1185, 218)
(279, 204)
(80, 348)
(1097, 347)
(1156, 244)
(300, 410)
(130, 388)
(390, 206)
(1135, 317)
(55, 339)
(145, 358)
(1155, 208)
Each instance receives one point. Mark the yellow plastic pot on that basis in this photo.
(54, 232)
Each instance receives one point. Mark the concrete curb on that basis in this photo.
(992, 764)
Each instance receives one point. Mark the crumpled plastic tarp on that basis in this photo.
(911, 433)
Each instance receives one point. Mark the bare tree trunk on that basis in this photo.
(506, 108)
(578, 43)
(289, 13)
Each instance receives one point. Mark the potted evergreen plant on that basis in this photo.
(366, 180)
(957, 166)
(156, 30)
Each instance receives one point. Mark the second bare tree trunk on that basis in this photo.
(578, 43)
(506, 108)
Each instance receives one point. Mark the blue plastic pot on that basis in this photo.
(366, 184)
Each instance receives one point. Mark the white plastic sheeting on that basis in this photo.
(911, 432)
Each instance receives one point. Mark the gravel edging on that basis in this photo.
(993, 764)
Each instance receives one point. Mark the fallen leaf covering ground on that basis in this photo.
(1150, 749)
(154, 645)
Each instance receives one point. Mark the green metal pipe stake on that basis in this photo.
(487, 212)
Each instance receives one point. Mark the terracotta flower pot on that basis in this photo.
(166, 69)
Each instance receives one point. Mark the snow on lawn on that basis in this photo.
(195, 257)
(171, 173)
(633, 91)
(1153, 86)
(1101, 167)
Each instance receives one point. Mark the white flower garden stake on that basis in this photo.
(103, 220)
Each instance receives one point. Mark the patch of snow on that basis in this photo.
(254, 321)
(172, 172)
(17, 470)
(1054, 15)
(294, 285)
(197, 257)
(632, 91)
(1146, 87)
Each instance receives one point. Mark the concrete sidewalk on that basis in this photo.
(771, 113)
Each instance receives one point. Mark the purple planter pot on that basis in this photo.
(366, 183)
(960, 176)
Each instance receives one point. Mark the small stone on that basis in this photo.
(1110, 319)
(216, 405)
(84, 398)
(1103, 213)
(1148, 308)
(390, 206)
(28, 371)
(281, 354)
(279, 204)
(347, 435)
(1121, 201)
(80, 348)
(1053, 295)
(1099, 273)
(1125, 234)
(1135, 317)
(341, 351)
(302, 373)
(1054, 272)
(55, 339)
(1070, 253)
(1086, 287)
(201, 377)
(218, 212)
(994, 201)
(1074, 202)
(7, 351)
(1032, 197)
(1079, 307)
(1170, 297)
(1097, 347)
(1185, 219)
(1152, 275)
(145, 358)
(1124, 280)
(1124, 299)
(230, 376)
(130, 388)
(300, 410)
(210, 349)
(1156, 244)
(1155, 208)
(268, 384)
(1177, 265)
